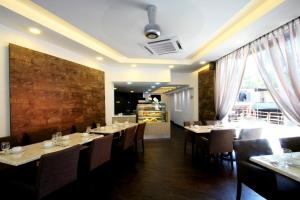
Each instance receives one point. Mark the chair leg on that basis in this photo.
(239, 190)
(193, 149)
(136, 146)
(231, 160)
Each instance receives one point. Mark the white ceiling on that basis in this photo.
(141, 87)
(137, 87)
(120, 23)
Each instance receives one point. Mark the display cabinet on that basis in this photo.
(151, 112)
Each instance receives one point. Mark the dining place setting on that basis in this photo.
(19, 155)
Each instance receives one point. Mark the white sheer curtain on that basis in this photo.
(278, 59)
(229, 74)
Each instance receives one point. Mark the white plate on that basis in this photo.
(16, 151)
(294, 163)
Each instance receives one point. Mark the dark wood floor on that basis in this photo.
(162, 172)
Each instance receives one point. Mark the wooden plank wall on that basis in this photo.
(47, 92)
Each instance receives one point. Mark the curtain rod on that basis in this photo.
(259, 37)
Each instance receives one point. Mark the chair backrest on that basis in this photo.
(140, 130)
(221, 141)
(246, 148)
(210, 122)
(100, 151)
(35, 137)
(250, 134)
(198, 123)
(128, 137)
(73, 129)
(292, 143)
(11, 139)
(57, 170)
(187, 123)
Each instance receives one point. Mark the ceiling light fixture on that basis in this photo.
(149, 90)
(132, 91)
(133, 65)
(152, 30)
(146, 92)
(153, 86)
(171, 66)
(35, 30)
(115, 88)
(157, 83)
(129, 83)
(99, 58)
(202, 62)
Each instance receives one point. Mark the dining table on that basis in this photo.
(33, 152)
(113, 128)
(286, 164)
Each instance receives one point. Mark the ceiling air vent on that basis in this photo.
(163, 46)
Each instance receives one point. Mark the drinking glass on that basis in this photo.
(286, 156)
(5, 147)
(98, 125)
(88, 129)
(54, 138)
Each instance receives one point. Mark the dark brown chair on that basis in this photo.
(128, 138)
(250, 134)
(55, 170)
(13, 142)
(189, 136)
(140, 130)
(218, 142)
(292, 143)
(98, 153)
(210, 122)
(11, 139)
(259, 179)
(35, 137)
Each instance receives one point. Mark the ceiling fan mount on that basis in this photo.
(152, 30)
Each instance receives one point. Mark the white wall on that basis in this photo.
(111, 73)
(138, 74)
(189, 104)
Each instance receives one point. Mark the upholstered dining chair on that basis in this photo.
(250, 134)
(13, 142)
(54, 171)
(139, 137)
(210, 122)
(188, 137)
(97, 154)
(255, 177)
(128, 138)
(218, 142)
(292, 143)
(11, 139)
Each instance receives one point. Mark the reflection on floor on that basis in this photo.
(163, 172)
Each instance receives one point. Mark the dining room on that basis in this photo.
(132, 100)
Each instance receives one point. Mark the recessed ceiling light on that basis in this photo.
(146, 92)
(202, 62)
(35, 30)
(99, 58)
(115, 88)
(171, 66)
(157, 83)
(133, 65)
(132, 91)
(149, 90)
(153, 86)
(129, 83)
